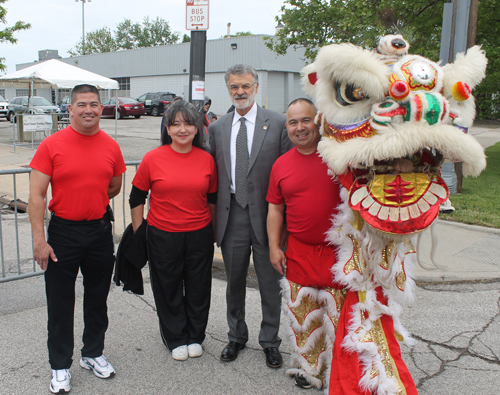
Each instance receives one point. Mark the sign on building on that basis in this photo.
(196, 14)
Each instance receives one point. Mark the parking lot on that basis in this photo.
(135, 136)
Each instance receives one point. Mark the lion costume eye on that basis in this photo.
(347, 94)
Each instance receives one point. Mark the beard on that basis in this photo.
(243, 105)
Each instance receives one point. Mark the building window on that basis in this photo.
(24, 92)
(2, 93)
(124, 88)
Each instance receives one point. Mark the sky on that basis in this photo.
(57, 24)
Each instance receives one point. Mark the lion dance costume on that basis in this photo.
(375, 107)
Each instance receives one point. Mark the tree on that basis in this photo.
(315, 23)
(127, 35)
(130, 35)
(97, 41)
(311, 24)
(238, 34)
(488, 36)
(7, 34)
(186, 39)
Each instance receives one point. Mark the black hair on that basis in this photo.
(301, 99)
(190, 115)
(84, 88)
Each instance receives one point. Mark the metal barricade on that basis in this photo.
(21, 137)
(16, 237)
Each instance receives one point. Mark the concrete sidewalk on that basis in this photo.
(455, 321)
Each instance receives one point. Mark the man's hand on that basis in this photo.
(41, 252)
(403, 165)
(278, 260)
(276, 236)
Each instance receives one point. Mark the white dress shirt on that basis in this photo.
(250, 117)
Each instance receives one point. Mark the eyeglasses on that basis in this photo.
(234, 88)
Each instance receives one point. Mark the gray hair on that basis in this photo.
(241, 69)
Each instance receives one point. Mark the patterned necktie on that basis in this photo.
(241, 168)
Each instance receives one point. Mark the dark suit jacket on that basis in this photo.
(270, 141)
(131, 257)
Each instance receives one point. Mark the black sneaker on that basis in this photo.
(302, 382)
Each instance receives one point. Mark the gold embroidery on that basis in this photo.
(401, 278)
(303, 336)
(307, 306)
(409, 186)
(339, 296)
(321, 373)
(358, 221)
(386, 254)
(294, 290)
(355, 263)
(376, 335)
(313, 356)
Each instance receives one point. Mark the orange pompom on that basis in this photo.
(460, 91)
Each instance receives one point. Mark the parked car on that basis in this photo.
(40, 106)
(64, 105)
(4, 107)
(127, 107)
(155, 103)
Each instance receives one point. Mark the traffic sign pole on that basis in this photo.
(197, 22)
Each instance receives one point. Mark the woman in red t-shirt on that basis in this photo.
(182, 178)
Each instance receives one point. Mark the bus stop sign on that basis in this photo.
(196, 14)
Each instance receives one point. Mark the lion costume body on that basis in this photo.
(373, 109)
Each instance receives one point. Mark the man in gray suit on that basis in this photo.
(245, 143)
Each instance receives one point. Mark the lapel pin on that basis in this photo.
(264, 127)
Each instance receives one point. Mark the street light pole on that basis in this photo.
(83, 22)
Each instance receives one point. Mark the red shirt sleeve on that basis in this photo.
(213, 176)
(142, 179)
(120, 167)
(42, 160)
(274, 195)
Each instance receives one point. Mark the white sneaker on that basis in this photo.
(180, 353)
(60, 381)
(195, 350)
(100, 365)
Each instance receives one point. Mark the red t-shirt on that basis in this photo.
(81, 168)
(311, 198)
(179, 184)
(310, 195)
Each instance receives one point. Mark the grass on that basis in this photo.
(479, 202)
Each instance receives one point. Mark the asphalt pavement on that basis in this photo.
(455, 318)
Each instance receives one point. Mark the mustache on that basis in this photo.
(243, 96)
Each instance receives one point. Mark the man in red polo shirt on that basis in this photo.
(311, 300)
(83, 165)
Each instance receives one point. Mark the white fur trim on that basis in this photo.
(401, 140)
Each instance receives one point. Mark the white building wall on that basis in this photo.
(276, 91)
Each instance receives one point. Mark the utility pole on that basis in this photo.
(459, 34)
(197, 21)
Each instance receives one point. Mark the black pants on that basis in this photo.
(181, 279)
(85, 245)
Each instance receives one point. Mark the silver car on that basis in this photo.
(40, 106)
(4, 106)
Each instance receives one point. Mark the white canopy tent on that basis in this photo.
(57, 75)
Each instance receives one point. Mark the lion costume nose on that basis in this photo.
(398, 43)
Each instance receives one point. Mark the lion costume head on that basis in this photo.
(375, 107)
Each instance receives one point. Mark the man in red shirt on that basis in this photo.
(83, 165)
(300, 182)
